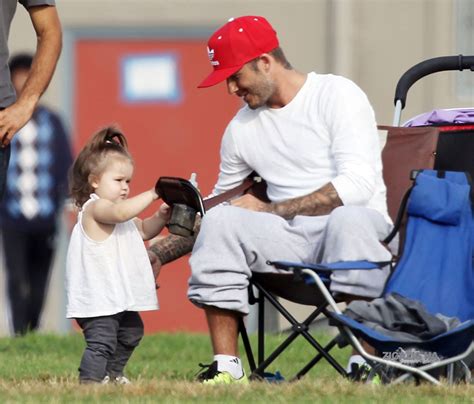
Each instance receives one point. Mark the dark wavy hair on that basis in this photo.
(92, 160)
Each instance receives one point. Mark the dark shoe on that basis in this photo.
(364, 373)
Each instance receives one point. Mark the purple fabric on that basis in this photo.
(437, 116)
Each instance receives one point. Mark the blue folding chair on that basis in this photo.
(435, 268)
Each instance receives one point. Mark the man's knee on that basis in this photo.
(345, 218)
(221, 223)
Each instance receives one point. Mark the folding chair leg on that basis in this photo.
(247, 346)
(261, 328)
(324, 352)
(298, 329)
(450, 372)
(317, 358)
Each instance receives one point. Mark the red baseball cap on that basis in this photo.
(239, 41)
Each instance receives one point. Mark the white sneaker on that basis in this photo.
(105, 380)
(121, 380)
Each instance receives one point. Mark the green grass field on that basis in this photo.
(42, 368)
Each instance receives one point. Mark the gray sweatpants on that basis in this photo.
(234, 242)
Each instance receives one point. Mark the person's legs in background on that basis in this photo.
(41, 252)
(18, 286)
(28, 259)
(4, 160)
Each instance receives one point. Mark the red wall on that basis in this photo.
(165, 139)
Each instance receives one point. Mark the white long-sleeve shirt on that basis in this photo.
(327, 133)
(110, 276)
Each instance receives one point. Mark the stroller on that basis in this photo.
(441, 140)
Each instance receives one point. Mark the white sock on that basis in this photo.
(358, 359)
(230, 364)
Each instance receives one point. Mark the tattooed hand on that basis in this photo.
(250, 202)
(155, 263)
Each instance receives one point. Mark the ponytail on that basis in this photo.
(92, 160)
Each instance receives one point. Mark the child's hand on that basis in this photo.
(164, 212)
(155, 193)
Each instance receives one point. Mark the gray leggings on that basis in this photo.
(110, 343)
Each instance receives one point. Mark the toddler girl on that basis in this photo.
(109, 278)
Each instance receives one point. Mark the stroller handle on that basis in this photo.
(427, 67)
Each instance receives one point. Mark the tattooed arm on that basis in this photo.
(171, 248)
(318, 203)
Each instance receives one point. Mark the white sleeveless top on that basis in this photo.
(110, 276)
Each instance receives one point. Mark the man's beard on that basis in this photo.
(262, 92)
